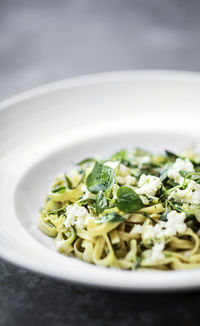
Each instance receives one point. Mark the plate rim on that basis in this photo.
(97, 78)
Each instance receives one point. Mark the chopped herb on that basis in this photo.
(59, 189)
(164, 215)
(68, 181)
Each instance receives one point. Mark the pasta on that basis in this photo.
(135, 210)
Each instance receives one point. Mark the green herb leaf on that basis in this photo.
(57, 210)
(164, 215)
(68, 181)
(101, 202)
(128, 200)
(101, 178)
(121, 155)
(110, 217)
(59, 189)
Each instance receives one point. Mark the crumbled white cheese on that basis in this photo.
(174, 225)
(180, 164)
(77, 215)
(190, 195)
(137, 229)
(148, 185)
(87, 193)
(142, 160)
(126, 180)
(155, 253)
(112, 165)
(144, 199)
(123, 170)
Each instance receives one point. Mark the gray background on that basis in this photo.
(46, 40)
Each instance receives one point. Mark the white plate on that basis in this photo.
(44, 130)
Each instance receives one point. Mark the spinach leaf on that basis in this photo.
(121, 155)
(110, 217)
(101, 178)
(128, 200)
(101, 202)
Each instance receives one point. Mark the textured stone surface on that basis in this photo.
(47, 40)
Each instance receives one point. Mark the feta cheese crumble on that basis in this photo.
(148, 185)
(180, 164)
(190, 195)
(77, 215)
(142, 160)
(112, 165)
(127, 180)
(124, 176)
(174, 225)
(123, 170)
(155, 253)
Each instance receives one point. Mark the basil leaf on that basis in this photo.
(59, 189)
(101, 202)
(128, 200)
(101, 178)
(110, 217)
(121, 155)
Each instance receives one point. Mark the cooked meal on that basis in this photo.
(134, 210)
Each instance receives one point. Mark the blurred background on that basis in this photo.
(47, 40)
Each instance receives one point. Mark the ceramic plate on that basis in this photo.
(43, 131)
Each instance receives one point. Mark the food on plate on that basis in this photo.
(134, 210)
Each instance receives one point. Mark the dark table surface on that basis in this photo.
(46, 40)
